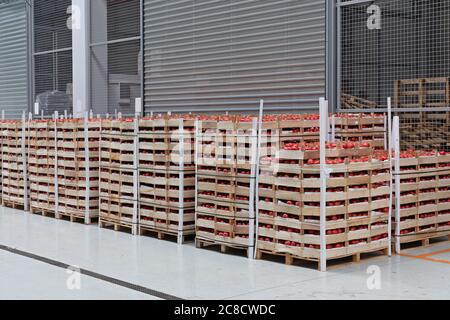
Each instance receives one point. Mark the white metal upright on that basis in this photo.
(55, 177)
(196, 151)
(396, 141)
(253, 174)
(135, 219)
(258, 162)
(388, 143)
(25, 124)
(181, 186)
(323, 106)
(87, 197)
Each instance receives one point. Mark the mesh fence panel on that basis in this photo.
(398, 49)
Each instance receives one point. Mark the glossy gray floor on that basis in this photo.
(190, 273)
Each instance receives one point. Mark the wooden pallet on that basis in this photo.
(12, 204)
(77, 219)
(352, 102)
(290, 259)
(115, 225)
(187, 236)
(223, 247)
(43, 212)
(422, 93)
(423, 240)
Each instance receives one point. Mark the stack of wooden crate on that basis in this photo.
(167, 176)
(41, 166)
(118, 174)
(226, 177)
(361, 128)
(78, 169)
(14, 165)
(357, 201)
(423, 196)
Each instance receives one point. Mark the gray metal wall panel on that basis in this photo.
(206, 55)
(13, 58)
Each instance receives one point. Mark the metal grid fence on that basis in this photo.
(394, 48)
(398, 49)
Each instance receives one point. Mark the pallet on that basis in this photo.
(166, 235)
(43, 212)
(77, 219)
(13, 205)
(422, 240)
(422, 93)
(352, 102)
(290, 259)
(223, 247)
(115, 225)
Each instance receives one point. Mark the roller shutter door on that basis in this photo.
(14, 62)
(208, 55)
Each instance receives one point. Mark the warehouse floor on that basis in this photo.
(34, 252)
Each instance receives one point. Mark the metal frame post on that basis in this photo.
(323, 105)
(56, 180)
(180, 236)
(396, 141)
(87, 198)
(136, 177)
(197, 137)
(258, 159)
(388, 143)
(253, 174)
(25, 124)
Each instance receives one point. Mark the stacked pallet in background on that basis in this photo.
(424, 129)
(422, 93)
(357, 198)
(13, 155)
(226, 173)
(119, 174)
(41, 166)
(352, 102)
(167, 176)
(361, 128)
(423, 196)
(78, 169)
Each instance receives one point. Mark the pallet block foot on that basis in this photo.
(289, 260)
(223, 249)
(258, 255)
(356, 257)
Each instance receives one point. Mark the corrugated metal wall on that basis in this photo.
(14, 62)
(207, 55)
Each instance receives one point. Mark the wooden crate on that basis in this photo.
(167, 176)
(226, 174)
(14, 186)
(118, 175)
(423, 197)
(358, 200)
(78, 158)
(41, 166)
